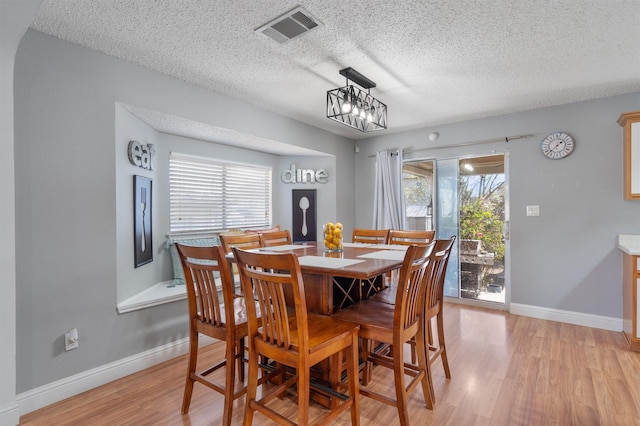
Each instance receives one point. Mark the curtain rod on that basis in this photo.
(506, 139)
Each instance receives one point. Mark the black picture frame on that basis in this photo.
(142, 220)
(304, 219)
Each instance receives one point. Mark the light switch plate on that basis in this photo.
(533, 210)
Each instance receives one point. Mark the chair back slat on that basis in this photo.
(404, 237)
(373, 236)
(206, 273)
(276, 281)
(411, 285)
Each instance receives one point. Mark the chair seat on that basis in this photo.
(371, 315)
(240, 309)
(386, 295)
(323, 331)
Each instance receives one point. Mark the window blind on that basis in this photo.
(211, 195)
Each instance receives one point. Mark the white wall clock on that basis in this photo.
(558, 145)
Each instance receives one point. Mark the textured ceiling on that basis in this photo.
(434, 62)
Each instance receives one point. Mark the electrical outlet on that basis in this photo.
(533, 210)
(71, 339)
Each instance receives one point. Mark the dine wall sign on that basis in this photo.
(295, 175)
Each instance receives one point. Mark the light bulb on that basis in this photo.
(363, 114)
(355, 110)
(346, 107)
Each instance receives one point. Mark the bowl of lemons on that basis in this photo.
(333, 237)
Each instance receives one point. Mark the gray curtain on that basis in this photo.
(388, 202)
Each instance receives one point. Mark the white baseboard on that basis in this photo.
(69, 386)
(9, 414)
(570, 317)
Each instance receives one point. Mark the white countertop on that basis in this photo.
(629, 244)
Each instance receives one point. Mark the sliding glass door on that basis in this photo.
(465, 197)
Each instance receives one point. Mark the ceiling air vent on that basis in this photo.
(291, 25)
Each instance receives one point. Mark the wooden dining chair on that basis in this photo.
(404, 237)
(291, 336)
(244, 241)
(207, 273)
(433, 308)
(371, 236)
(395, 325)
(434, 300)
(275, 238)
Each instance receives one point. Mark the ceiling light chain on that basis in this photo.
(353, 107)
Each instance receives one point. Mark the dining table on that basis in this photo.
(334, 280)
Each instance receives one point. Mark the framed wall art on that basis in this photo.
(142, 220)
(304, 215)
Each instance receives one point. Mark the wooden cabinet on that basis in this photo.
(630, 326)
(630, 122)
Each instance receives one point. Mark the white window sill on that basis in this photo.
(159, 294)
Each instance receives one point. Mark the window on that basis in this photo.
(418, 187)
(213, 195)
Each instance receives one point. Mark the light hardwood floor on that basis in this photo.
(506, 370)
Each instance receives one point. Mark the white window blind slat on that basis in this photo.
(210, 195)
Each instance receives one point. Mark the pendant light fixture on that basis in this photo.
(354, 106)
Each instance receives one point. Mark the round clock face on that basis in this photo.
(558, 145)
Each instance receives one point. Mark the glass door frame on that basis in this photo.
(453, 270)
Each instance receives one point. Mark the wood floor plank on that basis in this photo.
(506, 370)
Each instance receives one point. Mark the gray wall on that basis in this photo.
(67, 186)
(15, 17)
(567, 258)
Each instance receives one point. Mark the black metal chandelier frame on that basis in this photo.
(354, 106)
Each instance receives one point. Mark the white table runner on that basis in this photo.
(327, 262)
(286, 247)
(357, 244)
(398, 247)
(385, 254)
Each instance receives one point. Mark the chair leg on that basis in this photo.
(241, 358)
(443, 347)
(303, 395)
(252, 387)
(351, 354)
(230, 379)
(413, 351)
(191, 370)
(335, 373)
(424, 364)
(366, 349)
(401, 390)
(430, 331)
